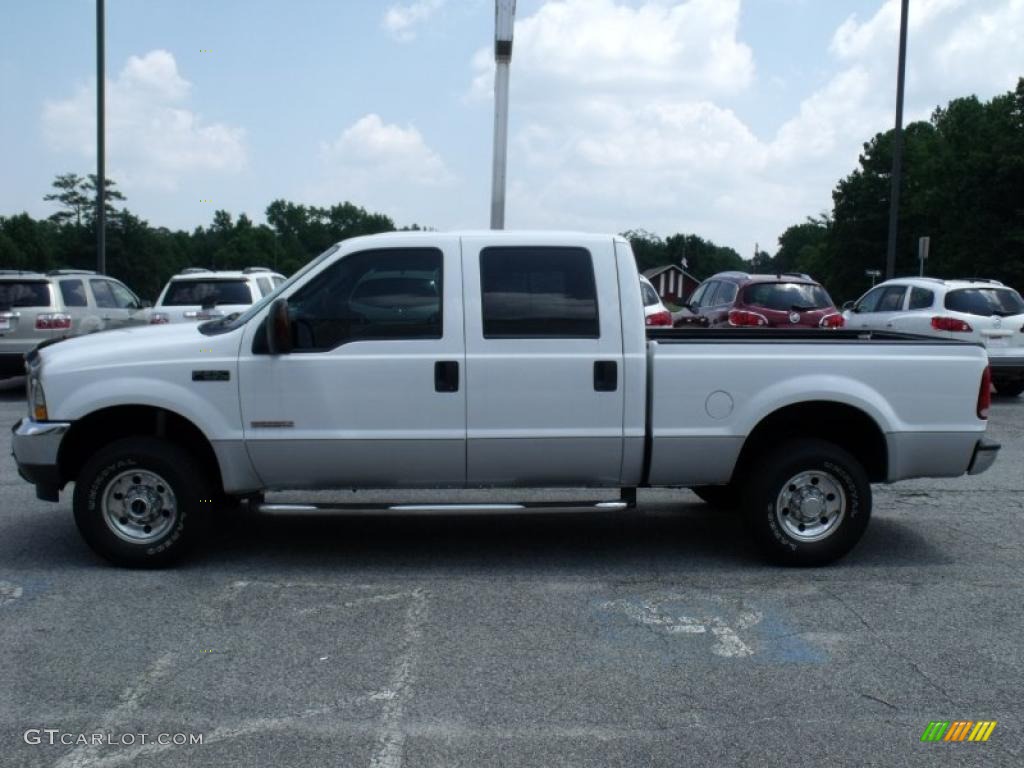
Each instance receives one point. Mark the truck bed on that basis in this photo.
(709, 390)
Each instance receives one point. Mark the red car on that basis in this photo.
(740, 300)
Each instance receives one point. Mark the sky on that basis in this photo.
(731, 119)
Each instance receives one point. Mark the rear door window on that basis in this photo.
(73, 293)
(985, 301)
(24, 293)
(538, 292)
(185, 293)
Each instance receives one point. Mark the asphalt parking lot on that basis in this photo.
(652, 637)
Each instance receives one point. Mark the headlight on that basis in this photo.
(36, 400)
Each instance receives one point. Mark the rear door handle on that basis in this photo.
(446, 376)
(606, 376)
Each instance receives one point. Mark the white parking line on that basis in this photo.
(727, 641)
(391, 738)
(85, 756)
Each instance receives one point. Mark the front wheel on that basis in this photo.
(807, 503)
(139, 502)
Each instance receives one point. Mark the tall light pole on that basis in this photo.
(897, 149)
(101, 174)
(504, 17)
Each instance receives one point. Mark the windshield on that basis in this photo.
(985, 301)
(787, 296)
(24, 293)
(237, 320)
(188, 292)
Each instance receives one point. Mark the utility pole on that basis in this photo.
(504, 18)
(897, 148)
(101, 175)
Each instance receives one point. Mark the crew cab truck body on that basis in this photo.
(489, 360)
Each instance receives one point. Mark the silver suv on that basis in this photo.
(198, 294)
(36, 307)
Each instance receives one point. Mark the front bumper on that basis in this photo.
(985, 453)
(35, 445)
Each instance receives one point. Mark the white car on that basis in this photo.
(985, 311)
(198, 294)
(655, 312)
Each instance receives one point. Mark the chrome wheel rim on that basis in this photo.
(139, 506)
(811, 506)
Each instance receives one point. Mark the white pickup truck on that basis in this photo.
(490, 359)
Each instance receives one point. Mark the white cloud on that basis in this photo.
(622, 119)
(402, 21)
(687, 47)
(153, 139)
(372, 150)
(385, 167)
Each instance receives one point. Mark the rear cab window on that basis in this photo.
(220, 291)
(24, 293)
(538, 292)
(985, 302)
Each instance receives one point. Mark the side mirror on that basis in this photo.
(279, 328)
(850, 306)
(146, 304)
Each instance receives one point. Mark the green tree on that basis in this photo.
(70, 195)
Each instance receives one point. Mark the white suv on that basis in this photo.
(985, 311)
(198, 294)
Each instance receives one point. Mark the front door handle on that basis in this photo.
(446, 376)
(606, 376)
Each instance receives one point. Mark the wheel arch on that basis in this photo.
(845, 425)
(105, 425)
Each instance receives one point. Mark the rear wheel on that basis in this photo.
(139, 502)
(807, 502)
(1009, 388)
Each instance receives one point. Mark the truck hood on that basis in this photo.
(141, 345)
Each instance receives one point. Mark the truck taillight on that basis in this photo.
(835, 320)
(742, 318)
(951, 324)
(53, 321)
(985, 393)
(660, 318)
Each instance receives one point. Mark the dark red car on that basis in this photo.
(740, 300)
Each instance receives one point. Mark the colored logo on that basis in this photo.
(958, 730)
